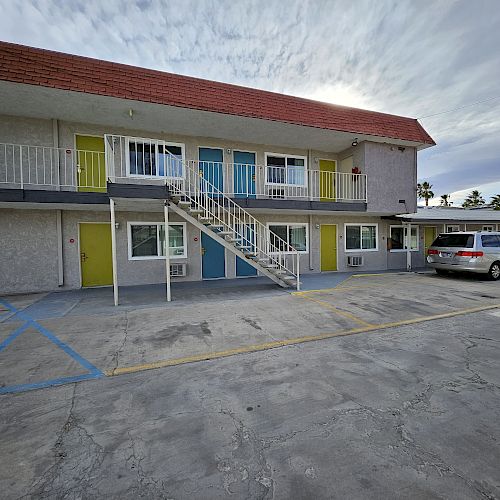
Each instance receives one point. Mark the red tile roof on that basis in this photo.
(32, 66)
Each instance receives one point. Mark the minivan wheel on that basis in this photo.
(494, 272)
(441, 272)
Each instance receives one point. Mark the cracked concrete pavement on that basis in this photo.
(409, 412)
(115, 339)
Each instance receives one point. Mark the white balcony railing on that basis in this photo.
(41, 167)
(145, 161)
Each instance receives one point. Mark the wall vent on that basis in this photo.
(177, 270)
(354, 260)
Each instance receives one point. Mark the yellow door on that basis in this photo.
(327, 180)
(95, 254)
(328, 237)
(429, 237)
(91, 166)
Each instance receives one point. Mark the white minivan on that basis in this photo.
(473, 251)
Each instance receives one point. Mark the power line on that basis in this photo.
(460, 107)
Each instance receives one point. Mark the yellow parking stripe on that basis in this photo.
(287, 342)
(340, 312)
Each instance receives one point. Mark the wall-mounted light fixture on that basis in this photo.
(317, 226)
(131, 112)
(228, 151)
(354, 143)
(402, 149)
(117, 225)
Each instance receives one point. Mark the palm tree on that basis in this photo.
(445, 200)
(424, 191)
(495, 202)
(474, 199)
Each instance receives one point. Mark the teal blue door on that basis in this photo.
(211, 170)
(243, 268)
(244, 174)
(213, 263)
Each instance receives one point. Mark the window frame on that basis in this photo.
(405, 238)
(493, 228)
(285, 156)
(156, 143)
(361, 224)
(288, 225)
(453, 225)
(157, 256)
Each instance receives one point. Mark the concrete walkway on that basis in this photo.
(100, 300)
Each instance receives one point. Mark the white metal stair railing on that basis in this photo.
(200, 202)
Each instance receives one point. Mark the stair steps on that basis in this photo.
(218, 216)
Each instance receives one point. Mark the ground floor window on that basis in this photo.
(489, 228)
(147, 240)
(452, 228)
(399, 238)
(293, 234)
(360, 237)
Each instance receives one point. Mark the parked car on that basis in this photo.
(472, 251)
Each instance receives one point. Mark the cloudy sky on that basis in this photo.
(410, 57)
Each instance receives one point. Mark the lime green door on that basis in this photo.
(328, 237)
(327, 180)
(429, 237)
(95, 254)
(91, 168)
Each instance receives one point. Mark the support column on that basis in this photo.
(113, 249)
(167, 252)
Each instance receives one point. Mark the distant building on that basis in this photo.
(427, 223)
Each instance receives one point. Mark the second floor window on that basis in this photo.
(285, 169)
(155, 158)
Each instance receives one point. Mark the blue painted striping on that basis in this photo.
(49, 383)
(14, 335)
(67, 349)
(59, 343)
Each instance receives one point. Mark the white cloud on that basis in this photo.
(409, 58)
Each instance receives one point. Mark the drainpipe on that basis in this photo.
(60, 258)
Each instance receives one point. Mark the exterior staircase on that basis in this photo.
(200, 203)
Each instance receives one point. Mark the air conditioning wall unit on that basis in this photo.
(178, 269)
(354, 260)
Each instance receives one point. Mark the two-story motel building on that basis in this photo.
(94, 156)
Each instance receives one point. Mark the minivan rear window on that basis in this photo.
(454, 240)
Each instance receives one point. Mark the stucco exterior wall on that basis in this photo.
(21, 130)
(28, 251)
(68, 130)
(130, 272)
(392, 176)
(391, 172)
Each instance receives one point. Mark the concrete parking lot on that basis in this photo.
(383, 386)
